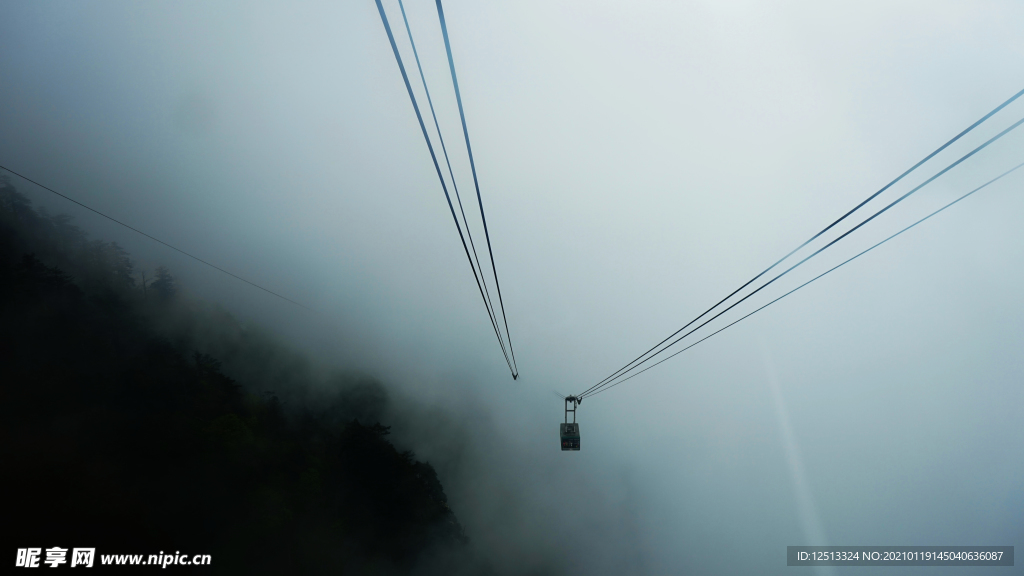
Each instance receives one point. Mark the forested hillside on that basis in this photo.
(121, 431)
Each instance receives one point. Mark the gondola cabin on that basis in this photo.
(570, 434)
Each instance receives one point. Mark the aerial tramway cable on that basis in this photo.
(451, 174)
(643, 358)
(820, 250)
(845, 262)
(472, 164)
(629, 365)
(157, 240)
(437, 168)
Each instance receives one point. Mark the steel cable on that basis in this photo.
(616, 383)
(476, 182)
(451, 174)
(157, 240)
(437, 168)
(847, 233)
(630, 365)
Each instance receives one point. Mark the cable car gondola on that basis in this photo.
(569, 432)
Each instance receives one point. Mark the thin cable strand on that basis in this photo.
(437, 167)
(809, 281)
(848, 232)
(629, 366)
(472, 164)
(451, 174)
(157, 240)
(455, 186)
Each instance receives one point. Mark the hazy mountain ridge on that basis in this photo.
(119, 434)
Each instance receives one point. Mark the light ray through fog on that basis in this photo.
(807, 511)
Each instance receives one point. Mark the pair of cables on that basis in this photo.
(474, 259)
(636, 366)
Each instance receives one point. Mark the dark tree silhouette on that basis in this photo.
(163, 285)
(118, 436)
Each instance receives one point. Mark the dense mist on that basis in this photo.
(638, 161)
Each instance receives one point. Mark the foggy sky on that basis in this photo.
(638, 161)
